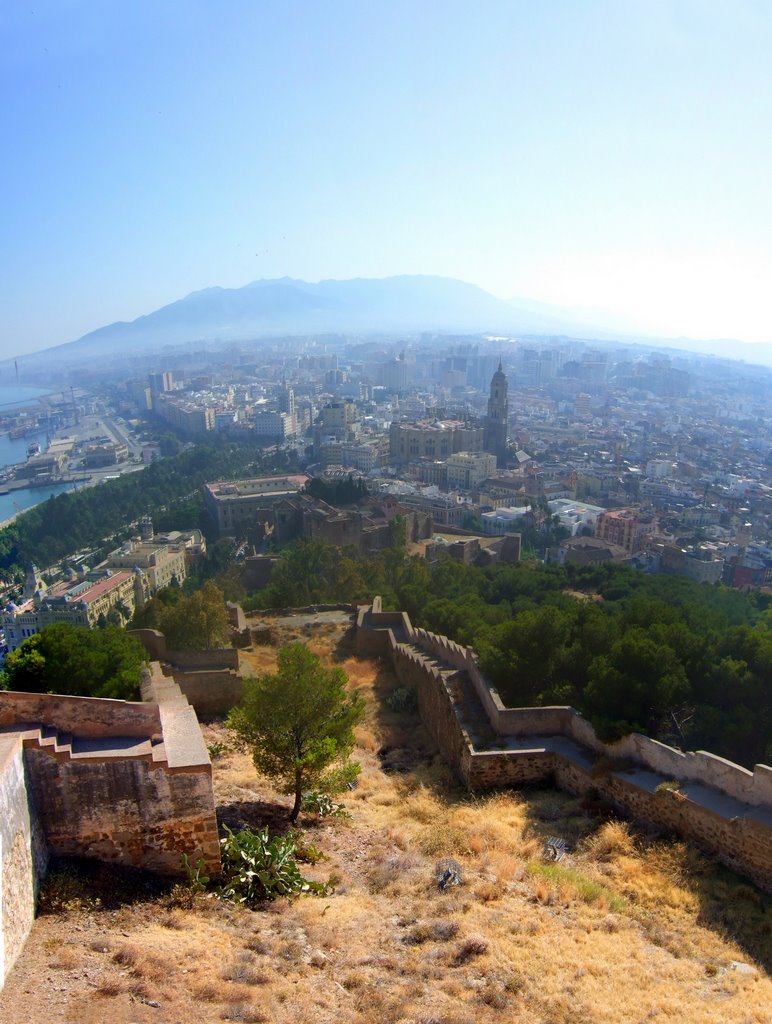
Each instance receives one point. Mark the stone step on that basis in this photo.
(83, 747)
(469, 709)
(111, 748)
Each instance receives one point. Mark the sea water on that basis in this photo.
(14, 451)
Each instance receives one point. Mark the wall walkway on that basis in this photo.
(722, 807)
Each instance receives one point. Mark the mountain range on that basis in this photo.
(288, 306)
(404, 304)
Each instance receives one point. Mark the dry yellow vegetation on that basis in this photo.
(625, 928)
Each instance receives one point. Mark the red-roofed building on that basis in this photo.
(85, 601)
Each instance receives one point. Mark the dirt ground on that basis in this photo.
(627, 928)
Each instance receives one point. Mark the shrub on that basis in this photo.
(307, 853)
(471, 947)
(669, 786)
(323, 805)
(444, 931)
(402, 700)
(612, 839)
(257, 867)
(419, 934)
(63, 889)
(569, 880)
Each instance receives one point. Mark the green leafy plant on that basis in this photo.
(257, 867)
(323, 805)
(307, 853)
(216, 749)
(197, 880)
(402, 700)
(62, 890)
(588, 890)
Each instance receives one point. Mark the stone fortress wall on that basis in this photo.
(128, 783)
(210, 680)
(722, 807)
(131, 783)
(23, 853)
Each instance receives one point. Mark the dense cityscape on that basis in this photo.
(589, 452)
(386, 513)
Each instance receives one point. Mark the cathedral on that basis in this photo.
(495, 435)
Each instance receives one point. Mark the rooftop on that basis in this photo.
(88, 590)
(256, 486)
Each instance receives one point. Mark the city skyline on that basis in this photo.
(602, 158)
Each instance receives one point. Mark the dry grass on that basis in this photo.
(624, 929)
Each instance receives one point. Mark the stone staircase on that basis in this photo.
(66, 747)
(461, 691)
(724, 808)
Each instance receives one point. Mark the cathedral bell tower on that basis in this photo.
(495, 433)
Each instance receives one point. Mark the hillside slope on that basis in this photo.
(628, 928)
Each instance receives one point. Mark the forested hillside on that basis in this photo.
(689, 664)
(169, 490)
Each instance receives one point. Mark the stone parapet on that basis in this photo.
(82, 716)
(722, 807)
(98, 789)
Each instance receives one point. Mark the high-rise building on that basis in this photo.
(286, 399)
(160, 382)
(394, 375)
(495, 436)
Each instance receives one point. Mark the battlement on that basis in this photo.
(128, 783)
(719, 805)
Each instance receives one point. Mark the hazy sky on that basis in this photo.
(611, 154)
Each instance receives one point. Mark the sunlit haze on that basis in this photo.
(615, 156)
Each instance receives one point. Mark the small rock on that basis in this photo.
(741, 968)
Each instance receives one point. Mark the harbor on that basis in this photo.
(37, 464)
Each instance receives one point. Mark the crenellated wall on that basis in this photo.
(210, 692)
(723, 807)
(122, 782)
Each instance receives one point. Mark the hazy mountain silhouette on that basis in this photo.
(404, 304)
(288, 306)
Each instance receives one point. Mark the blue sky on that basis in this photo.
(601, 154)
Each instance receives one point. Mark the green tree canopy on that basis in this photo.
(73, 660)
(298, 724)
(688, 663)
(190, 622)
(167, 489)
